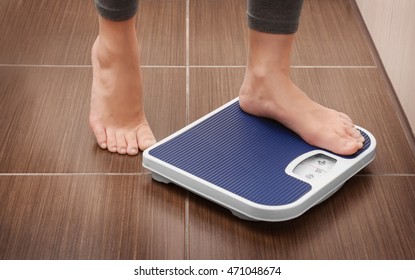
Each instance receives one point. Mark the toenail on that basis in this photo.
(133, 151)
(103, 145)
(114, 149)
(123, 151)
(350, 144)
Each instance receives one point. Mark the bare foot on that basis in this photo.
(268, 91)
(280, 99)
(117, 116)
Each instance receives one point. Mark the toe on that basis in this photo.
(100, 136)
(347, 147)
(132, 145)
(338, 142)
(111, 141)
(121, 143)
(345, 117)
(357, 135)
(351, 147)
(145, 137)
(348, 124)
(353, 132)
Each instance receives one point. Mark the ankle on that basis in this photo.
(117, 38)
(268, 93)
(109, 55)
(263, 72)
(260, 80)
(117, 31)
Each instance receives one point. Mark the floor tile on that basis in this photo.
(44, 113)
(210, 88)
(329, 34)
(55, 33)
(162, 31)
(370, 217)
(90, 217)
(360, 93)
(217, 32)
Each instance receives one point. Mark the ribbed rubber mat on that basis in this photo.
(243, 154)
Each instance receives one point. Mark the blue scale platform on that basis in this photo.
(230, 152)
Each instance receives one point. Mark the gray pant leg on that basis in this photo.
(270, 16)
(117, 10)
(274, 16)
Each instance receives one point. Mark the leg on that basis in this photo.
(117, 115)
(268, 91)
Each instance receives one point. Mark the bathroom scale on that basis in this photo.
(255, 167)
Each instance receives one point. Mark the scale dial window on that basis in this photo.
(314, 167)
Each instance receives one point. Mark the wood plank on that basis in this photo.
(218, 32)
(90, 217)
(371, 217)
(44, 119)
(162, 31)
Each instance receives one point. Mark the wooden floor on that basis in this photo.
(62, 197)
